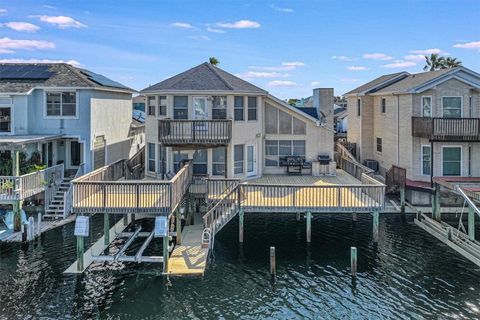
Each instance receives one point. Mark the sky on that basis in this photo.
(285, 47)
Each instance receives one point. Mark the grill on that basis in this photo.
(324, 159)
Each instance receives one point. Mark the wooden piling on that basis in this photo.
(436, 204)
(471, 224)
(402, 200)
(31, 229)
(297, 216)
(309, 227)
(39, 224)
(106, 229)
(178, 223)
(80, 252)
(240, 226)
(273, 270)
(355, 217)
(166, 253)
(375, 225)
(353, 261)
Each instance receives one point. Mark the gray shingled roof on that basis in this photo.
(413, 81)
(64, 75)
(204, 77)
(375, 83)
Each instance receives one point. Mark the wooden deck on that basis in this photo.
(341, 178)
(189, 258)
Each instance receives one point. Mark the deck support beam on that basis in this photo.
(17, 215)
(166, 253)
(297, 215)
(436, 204)
(106, 229)
(375, 225)
(471, 223)
(80, 252)
(309, 227)
(178, 224)
(402, 200)
(240, 226)
(354, 217)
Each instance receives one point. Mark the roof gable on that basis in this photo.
(204, 77)
(378, 83)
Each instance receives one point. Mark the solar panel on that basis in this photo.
(102, 80)
(24, 72)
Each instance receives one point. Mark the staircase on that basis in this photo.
(55, 209)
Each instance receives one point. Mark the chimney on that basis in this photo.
(323, 102)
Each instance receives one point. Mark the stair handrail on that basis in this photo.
(210, 218)
(469, 201)
(68, 195)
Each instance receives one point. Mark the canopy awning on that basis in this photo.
(19, 142)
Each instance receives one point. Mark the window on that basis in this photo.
(275, 149)
(271, 119)
(238, 158)
(359, 107)
(452, 161)
(178, 157)
(426, 160)
(200, 159)
(383, 105)
(379, 144)
(61, 104)
(152, 104)
(284, 122)
(426, 106)
(180, 107)
(151, 157)
(219, 108)
(452, 107)
(238, 109)
(162, 158)
(252, 108)
(5, 119)
(218, 161)
(162, 105)
(280, 122)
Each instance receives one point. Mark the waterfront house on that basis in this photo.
(63, 120)
(426, 123)
(232, 128)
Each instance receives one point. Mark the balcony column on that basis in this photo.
(17, 204)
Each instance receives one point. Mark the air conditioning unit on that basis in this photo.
(372, 164)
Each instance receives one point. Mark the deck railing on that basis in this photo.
(217, 188)
(396, 177)
(222, 211)
(446, 129)
(203, 132)
(136, 165)
(347, 162)
(101, 192)
(68, 196)
(27, 185)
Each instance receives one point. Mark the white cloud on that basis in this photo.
(315, 83)
(282, 83)
(279, 9)
(349, 80)
(61, 22)
(49, 6)
(415, 57)
(427, 51)
(264, 75)
(9, 45)
(468, 45)
(343, 58)
(21, 26)
(240, 24)
(377, 56)
(357, 68)
(182, 25)
(285, 66)
(3, 11)
(6, 51)
(72, 62)
(199, 38)
(400, 64)
(215, 30)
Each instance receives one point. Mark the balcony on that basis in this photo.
(446, 129)
(207, 133)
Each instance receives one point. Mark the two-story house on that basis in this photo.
(230, 127)
(61, 115)
(427, 123)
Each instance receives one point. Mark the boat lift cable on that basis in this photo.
(460, 222)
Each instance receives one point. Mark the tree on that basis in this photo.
(434, 62)
(213, 61)
(452, 63)
(293, 102)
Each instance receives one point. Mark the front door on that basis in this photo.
(251, 161)
(75, 153)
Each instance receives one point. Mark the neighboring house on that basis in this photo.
(427, 123)
(230, 127)
(340, 119)
(63, 115)
(139, 103)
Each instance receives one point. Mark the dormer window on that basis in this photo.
(61, 104)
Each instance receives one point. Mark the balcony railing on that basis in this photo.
(446, 129)
(198, 132)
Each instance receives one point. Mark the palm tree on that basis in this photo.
(452, 63)
(213, 61)
(434, 62)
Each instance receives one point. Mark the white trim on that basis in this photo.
(461, 158)
(255, 160)
(77, 109)
(431, 105)
(461, 105)
(421, 159)
(154, 159)
(202, 92)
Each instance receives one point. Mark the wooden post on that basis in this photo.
(166, 253)
(309, 227)
(17, 215)
(353, 261)
(39, 224)
(354, 217)
(106, 229)
(178, 224)
(240, 226)
(273, 270)
(31, 229)
(23, 230)
(297, 216)
(402, 200)
(471, 224)
(436, 204)
(375, 225)
(80, 251)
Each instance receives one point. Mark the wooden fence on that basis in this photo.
(347, 162)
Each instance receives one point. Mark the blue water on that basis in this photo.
(408, 274)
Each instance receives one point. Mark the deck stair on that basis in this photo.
(55, 209)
